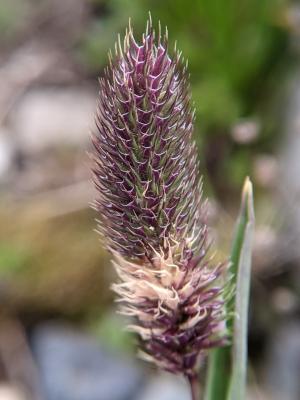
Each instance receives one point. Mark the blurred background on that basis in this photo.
(60, 338)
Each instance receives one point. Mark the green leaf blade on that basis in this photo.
(227, 366)
(237, 387)
(218, 375)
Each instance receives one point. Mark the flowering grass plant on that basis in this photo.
(151, 214)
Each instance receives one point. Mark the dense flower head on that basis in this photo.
(151, 216)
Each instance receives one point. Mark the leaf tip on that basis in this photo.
(247, 188)
(247, 198)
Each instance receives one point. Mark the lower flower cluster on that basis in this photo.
(178, 309)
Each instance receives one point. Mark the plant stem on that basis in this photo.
(195, 387)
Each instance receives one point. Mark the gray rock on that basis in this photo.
(288, 180)
(50, 117)
(283, 363)
(166, 387)
(8, 392)
(6, 154)
(74, 367)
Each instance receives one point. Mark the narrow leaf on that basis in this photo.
(237, 388)
(218, 374)
(224, 362)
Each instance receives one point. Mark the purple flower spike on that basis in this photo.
(151, 216)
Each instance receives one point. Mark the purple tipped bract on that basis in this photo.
(151, 215)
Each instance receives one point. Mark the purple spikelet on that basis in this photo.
(151, 215)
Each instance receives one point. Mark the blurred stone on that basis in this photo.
(67, 19)
(292, 16)
(6, 154)
(166, 387)
(75, 367)
(47, 118)
(8, 392)
(288, 182)
(284, 300)
(245, 131)
(266, 170)
(256, 393)
(22, 68)
(265, 246)
(283, 363)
